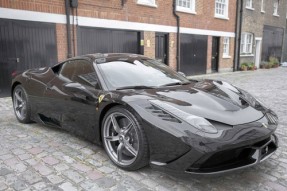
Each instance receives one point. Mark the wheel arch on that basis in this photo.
(102, 115)
(106, 109)
(13, 87)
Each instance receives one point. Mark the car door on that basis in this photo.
(74, 96)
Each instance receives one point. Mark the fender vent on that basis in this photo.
(273, 120)
(162, 114)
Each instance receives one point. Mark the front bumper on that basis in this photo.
(235, 158)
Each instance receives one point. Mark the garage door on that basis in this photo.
(272, 42)
(193, 54)
(24, 45)
(94, 40)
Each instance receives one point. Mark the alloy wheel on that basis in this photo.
(121, 139)
(20, 103)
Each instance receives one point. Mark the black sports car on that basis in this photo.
(143, 113)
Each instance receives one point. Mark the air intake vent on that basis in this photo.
(162, 114)
(272, 118)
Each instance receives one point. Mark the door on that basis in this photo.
(161, 47)
(215, 54)
(193, 54)
(73, 96)
(94, 40)
(272, 42)
(257, 52)
(8, 61)
(24, 45)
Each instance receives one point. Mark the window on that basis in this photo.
(80, 71)
(275, 6)
(221, 9)
(249, 4)
(262, 6)
(147, 2)
(246, 43)
(225, 46)
(185, 6)
(141, 72)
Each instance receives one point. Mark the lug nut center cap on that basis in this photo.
(121, 138)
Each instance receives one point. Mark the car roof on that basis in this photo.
(112, 55)
(106, 56)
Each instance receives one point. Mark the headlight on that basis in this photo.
(198, 122)
(201, 124)
(254, 101)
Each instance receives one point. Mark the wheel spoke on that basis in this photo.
(112, 138)
(24, 105)
(19, 106)
(18, 97)
(126, 130)
(22, 112)
(115, 124)
(130, 148)
(120, 152)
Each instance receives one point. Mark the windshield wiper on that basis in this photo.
(135, 87)
(176, 83)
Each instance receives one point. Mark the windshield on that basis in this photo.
(139, 72)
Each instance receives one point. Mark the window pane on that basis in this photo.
(226, 46)
(186, 3)
(221, 7)
(68, 70)
(275, 8)
(147, 1)
(137, 72)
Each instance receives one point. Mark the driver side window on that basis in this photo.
(80, 71)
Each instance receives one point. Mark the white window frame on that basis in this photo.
(262, 6)
(249, 4)
(150, 3)
(226, 47)
(275, 8)
(190, 9)
(246, 47)
(225, 10)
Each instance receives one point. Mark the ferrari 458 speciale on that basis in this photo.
(143, 113)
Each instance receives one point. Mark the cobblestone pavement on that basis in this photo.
(35, 157)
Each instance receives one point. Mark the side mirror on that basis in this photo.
(181, 73)
(79, 89)
(74, 87)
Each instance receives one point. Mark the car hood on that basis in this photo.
(213, 100)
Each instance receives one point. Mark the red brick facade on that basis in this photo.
(149, 44)
(61, 41)
(133, 12)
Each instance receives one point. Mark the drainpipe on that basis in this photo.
(123, 3)
(177, 37)
(238, 31)
(67, 7)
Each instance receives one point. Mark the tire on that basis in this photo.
(21, 105)
(126, 145)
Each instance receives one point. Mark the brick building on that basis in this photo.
(34, 32)
(263, 25)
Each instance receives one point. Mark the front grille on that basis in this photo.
(226, 160)
(234, 158)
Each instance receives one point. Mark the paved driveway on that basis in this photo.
(35, 157)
